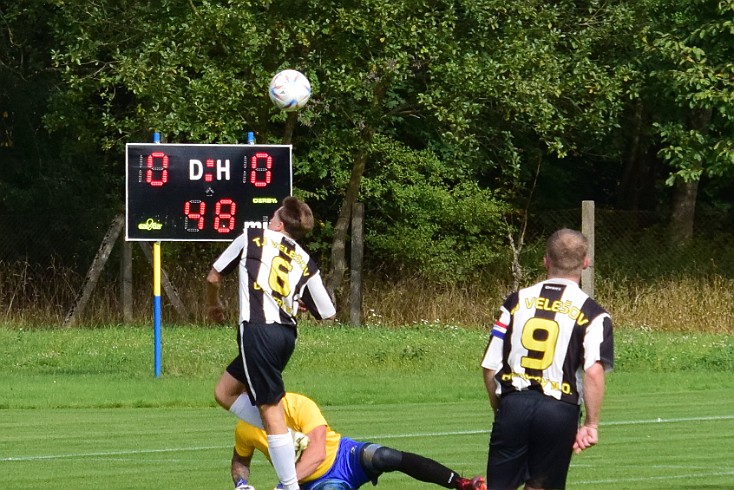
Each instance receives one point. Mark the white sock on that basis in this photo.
(283, 457)
(246, 411)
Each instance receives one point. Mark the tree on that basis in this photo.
(48, 179)
(199, 73)
(425, 111)
(689, 50)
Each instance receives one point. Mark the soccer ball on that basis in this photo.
(289, 90)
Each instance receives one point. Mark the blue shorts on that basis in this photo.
(346, 473)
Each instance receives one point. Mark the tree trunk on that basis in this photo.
(685, 193)
(638, 180)
(628, 189)
(338, 267)
(684, 209)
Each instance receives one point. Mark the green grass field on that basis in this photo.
(80, 409)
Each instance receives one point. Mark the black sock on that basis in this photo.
(427, 470)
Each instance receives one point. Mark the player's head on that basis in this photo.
(566, 253)
(296, 217)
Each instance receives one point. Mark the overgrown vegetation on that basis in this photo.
(642, 281)
(31, 296)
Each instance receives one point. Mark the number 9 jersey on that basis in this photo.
(275, 273)
(546, 336)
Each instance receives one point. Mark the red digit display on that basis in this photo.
(196, 192)
(224, 213)
(161, 171)
(261, 164)
(197, 215)
(208, 177)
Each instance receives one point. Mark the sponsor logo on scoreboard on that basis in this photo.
(265, 200)
(150, 225)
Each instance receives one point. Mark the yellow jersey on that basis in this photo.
(301, 414)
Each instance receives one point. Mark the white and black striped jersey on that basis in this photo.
(274, 273)
(546, 336)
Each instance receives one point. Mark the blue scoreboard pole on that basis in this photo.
(157, 306)
(157, 296)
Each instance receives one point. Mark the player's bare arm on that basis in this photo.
(214, 305)
(314, 454)
(588, 434)
(491, 384)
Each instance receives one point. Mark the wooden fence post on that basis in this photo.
(95, 270)
(126, 281)
(587, 228)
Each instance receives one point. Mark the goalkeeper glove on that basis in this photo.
(300, 442)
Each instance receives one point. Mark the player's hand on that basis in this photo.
(216, 313)
(586, 437)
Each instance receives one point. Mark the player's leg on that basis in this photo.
(280, 444)
(509, 441)
(227, 390)
(378, 459)
(231, 394)
(552, 434)
(231, 391)
(266, 350)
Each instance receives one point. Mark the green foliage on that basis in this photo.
(427, 218)
(483, 97)
(475, 94)
(48, 180)
(690, 48)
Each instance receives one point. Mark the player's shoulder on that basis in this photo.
(594, 310)
(512, 299)
(250, 233)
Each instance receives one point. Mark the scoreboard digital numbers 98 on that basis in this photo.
(181, 192)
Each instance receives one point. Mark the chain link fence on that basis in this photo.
(44, 259)
(637, 245)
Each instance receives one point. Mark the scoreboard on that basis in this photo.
(182, 192)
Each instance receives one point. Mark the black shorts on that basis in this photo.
(532, 441)
(264, 351)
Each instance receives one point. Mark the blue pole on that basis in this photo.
(158, 357)
(157, 306)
